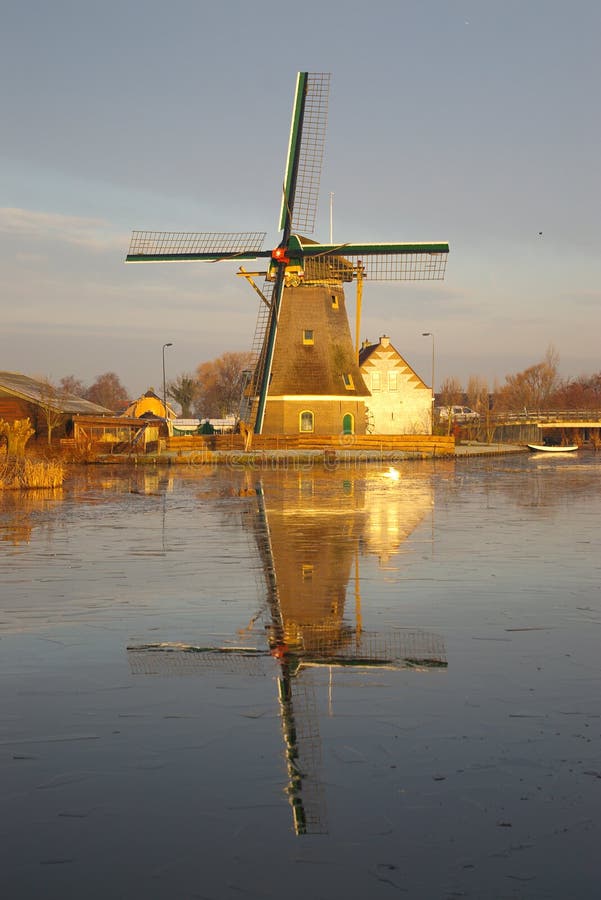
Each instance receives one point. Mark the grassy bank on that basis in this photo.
(25, 474)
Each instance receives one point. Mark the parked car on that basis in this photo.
(459, 414)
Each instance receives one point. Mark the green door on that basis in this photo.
(348, 424)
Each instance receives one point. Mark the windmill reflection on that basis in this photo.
(311, 529)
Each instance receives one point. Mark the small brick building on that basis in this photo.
(22, 397)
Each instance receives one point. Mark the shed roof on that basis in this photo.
(36, 391)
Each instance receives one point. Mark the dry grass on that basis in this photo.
(27, 474)
(80, 452)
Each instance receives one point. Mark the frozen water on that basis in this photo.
(315, 683)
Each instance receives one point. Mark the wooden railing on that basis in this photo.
(547, 416)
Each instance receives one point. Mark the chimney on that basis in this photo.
(385, 341)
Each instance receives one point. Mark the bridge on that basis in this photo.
(578, 426)
(590, 418)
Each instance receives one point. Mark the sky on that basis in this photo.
(469, 121)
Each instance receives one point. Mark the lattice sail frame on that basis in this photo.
(412, 265)
(303, 168)
(300, 729)
(320, 262)
(178, 659)
(399, 649)
(146, 246)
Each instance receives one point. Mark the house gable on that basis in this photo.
(400, 402)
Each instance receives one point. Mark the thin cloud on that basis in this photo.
(583, 298)
(94, 234)
(31, 257)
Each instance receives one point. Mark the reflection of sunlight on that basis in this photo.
(392, 515)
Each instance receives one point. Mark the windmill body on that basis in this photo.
(316, 384)
(306, 376)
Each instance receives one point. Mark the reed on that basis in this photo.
(28, 474)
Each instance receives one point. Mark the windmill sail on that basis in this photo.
(299, 206)
(305, 153)
(171, 246)
(335, 263)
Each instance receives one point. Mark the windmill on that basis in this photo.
(303, 628)
(303, 286)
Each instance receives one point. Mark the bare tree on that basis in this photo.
(50, 406)
(108, 391)
(72, 386)
(477, 394)
(583, 392)
(531, 390)
(451, 392)
(220, 384)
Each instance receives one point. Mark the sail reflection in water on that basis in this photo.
(310, 549)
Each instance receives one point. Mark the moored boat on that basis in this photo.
(552, 448)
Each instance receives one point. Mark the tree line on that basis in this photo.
(212, 391)
(107, 390)
(215, 388)
(538, 388)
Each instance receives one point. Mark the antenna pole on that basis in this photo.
(359, 273)
(331, 217)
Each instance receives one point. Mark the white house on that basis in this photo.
(400, 402)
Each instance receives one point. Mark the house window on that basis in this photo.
(348, 381)
(308, 336)
(307, 570)
(334, 299)
(306, 421)
(393, 381)
(375, 381)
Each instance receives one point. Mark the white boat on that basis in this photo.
(550, 448)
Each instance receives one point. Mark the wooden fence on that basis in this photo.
(428, 445)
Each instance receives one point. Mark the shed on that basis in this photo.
(49, 409)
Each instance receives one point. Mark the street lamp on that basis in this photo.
(429, 334)
(164, 383)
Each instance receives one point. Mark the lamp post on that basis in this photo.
(429, 334)
(164, 383)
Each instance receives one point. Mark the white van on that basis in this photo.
(458, 414)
